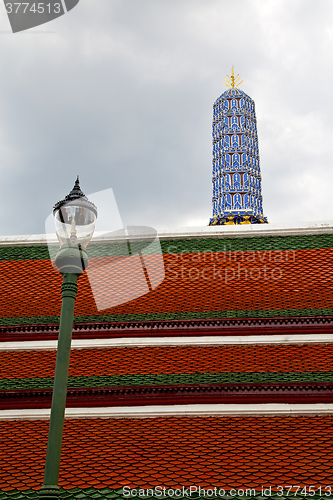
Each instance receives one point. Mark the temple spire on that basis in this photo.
(237, 197)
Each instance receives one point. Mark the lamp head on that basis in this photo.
(75, 218)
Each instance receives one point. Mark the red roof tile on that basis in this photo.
(32, 288)
(208, 451)
(172, 359)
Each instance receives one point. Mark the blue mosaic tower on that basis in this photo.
(237, 195)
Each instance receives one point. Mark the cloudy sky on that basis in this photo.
(121, 92)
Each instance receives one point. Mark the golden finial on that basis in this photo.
(232, 83)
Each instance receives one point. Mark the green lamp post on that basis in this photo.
(75, 218)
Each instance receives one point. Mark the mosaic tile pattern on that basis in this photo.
(236, 173)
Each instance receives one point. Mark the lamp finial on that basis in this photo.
(76, 194)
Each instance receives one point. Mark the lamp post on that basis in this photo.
(75, 222)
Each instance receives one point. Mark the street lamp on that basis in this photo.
(75, 218)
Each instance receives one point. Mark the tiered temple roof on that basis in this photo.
(220, 377)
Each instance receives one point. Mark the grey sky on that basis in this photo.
(122, 94)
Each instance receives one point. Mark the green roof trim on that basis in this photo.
(24, 253)
(260, 313)
(168, 379)
(222, 244)
(117, 494)
(177, 246)
(117, 318)
(33, 320)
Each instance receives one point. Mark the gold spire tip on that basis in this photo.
(233, 81)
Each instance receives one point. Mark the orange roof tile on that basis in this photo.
(31, 288)
(172, 359)
(224, 452)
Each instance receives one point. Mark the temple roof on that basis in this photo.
(251, 274)
(169, 374)
(101, 456)
(181, 364)
(170, 360)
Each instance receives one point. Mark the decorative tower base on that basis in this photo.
(236, 173)
(234, 219)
